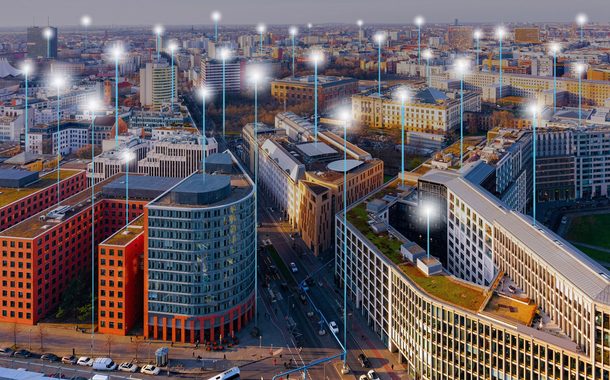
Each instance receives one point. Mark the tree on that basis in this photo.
(15, 332)
(41, 336)
(109, 341)
(136, 341)
(502, 119)
(85, 151)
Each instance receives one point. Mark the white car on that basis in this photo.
(333, 327)
(363, 377)
(85, 360)
(373, 375)
(150, 369)
(128, 367)
(293, 268)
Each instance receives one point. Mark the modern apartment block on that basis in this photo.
(212, 73)
(516, 301)
(156, 84)
(428, 110)
(117, 159)
(331, 90)
(198, 265)
(304, 179)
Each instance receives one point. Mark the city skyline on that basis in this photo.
(191, 12)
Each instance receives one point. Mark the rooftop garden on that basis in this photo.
(9, 195)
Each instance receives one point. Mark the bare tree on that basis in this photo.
(136, 341)
(15, 332)
(109, 341)
(41, 336)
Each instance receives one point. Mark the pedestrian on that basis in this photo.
(392, 366)
(224, 356)
(193, 353)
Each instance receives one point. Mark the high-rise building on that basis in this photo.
(199, 259)
(156, 85)
(42, 42)
(211, 75)
(460, 37)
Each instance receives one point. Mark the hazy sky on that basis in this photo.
(187, 12)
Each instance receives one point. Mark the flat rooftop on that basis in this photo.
(323, 80)
(568, 262)
(514, 309)
(9, 194)
(126, 234)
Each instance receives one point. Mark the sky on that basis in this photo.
(298, 12)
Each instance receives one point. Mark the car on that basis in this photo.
(304, 287)
(363, 377)
(6, 351)
(78, 378)
(48, 357)
(69, 359)
(85, 360)
(104, 364)
(150, 369)
(373, 375)
(364, 361)
(23, 353)
(333, 327)
(293, 268)
(564, 220)
(128, 367)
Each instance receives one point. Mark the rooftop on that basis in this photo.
(517, 310)
(9, 195)
(126, 234)
(323, 80)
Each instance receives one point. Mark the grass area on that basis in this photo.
(597, 255)
(358, 217)
(9, 195)
(591, 229)
(446, 288)
(133, 230)
(281, 265)
(387, 177)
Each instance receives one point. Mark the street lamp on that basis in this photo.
(580, 69)
(26, 69)
(402, 94)
(204, 93)
(419, 22)
(256, 76)
(554, 48)
(500, 33)
(581, 20)
(461, 67)
(316, 57)
(58, 82)
(158, 30)
(85, 21)
(224, 55)
(360, 23)
(261, 28)
(534, 110)
(127, 155)
(478, 34)
(346, 118)
(293, 32)
(379, 38)
(427, 54)
(216, 16)
(172, 48)
(117, 52)
(92, 107)
(47, 33)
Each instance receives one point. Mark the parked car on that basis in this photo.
(23, 353)
(128, 367)
(373, 375)
(6, 351)
(48, 357)
(104, 364)
(78, 378)
(564, 219)
(150, 369)
(69, 359)
(364, 361)
(333, 327)
(293, 268)
(85, 360)
(363, 377)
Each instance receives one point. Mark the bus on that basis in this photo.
(231, 374)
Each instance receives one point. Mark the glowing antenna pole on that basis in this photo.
(58, 82)
(555, 47)
(580, 70)
(293, 33)
(127, 156)
(360, 23)
(256, 77)
(477, 36)
(379, 37)
(116, 53)
(428, 212)
(92, 109)
(216, 17)
(203, 92)
(534, 111)
(158, 29)
(427, 55)
(26, 71)
(419, 21)
(402, 96)
(48, 34)
(346, 117)
(500, 32)
(85, 22)
(581, 20)
(461, 66)
(261, 30)
(316, 57)
(224, 54)
(172, 48)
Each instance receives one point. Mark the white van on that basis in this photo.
(99, 377)
(104, 364)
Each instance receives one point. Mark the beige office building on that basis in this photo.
(156, 84)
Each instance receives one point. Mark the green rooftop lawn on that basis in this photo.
(358, 217)
(9, 195)
(446, 288)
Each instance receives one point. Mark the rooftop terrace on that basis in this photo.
(511, 308)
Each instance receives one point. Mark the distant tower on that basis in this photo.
(37, 42)
(456, 22)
